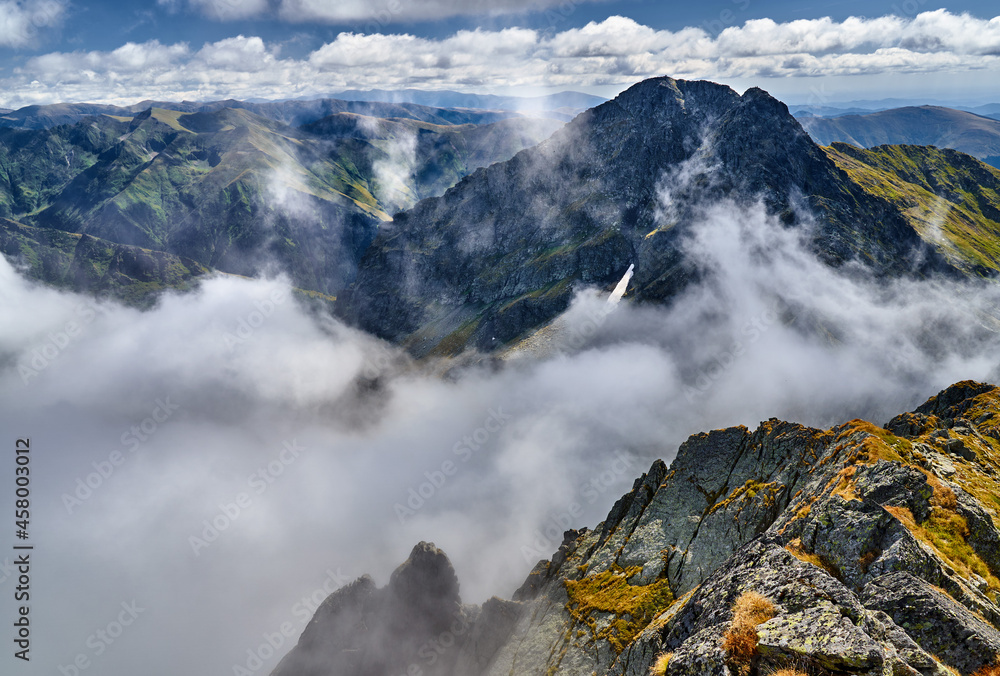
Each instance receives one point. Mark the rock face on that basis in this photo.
(500, 252)
(362, 630)
(875, 550)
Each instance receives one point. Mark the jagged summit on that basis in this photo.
(854, 550)
(499, 254)
(363, 630)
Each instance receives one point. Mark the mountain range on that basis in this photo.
(852, 550)
(228, 190)
(291, 112)
(865, 106)
(973, 134)
(450, 228)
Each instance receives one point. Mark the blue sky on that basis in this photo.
(816, 52)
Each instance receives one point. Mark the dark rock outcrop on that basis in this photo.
(367, 631)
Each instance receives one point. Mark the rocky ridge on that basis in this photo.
(861, 549)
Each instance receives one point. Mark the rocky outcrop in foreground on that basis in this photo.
(854, 550)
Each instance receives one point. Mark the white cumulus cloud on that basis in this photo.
(960, 49)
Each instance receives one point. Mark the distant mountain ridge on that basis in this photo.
(864, 107)
(925, 126)
(293, 113)
(564, 104)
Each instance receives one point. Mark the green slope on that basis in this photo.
(228, 189)
(433, 156)
(950, 198)
(69, 260)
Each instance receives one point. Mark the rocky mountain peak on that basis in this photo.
(363, 629)
(425, 586)
(501, 253)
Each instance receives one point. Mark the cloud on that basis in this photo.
(617, 52)
(237, 54)
(21, 21)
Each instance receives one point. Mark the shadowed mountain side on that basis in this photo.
(84, 263)
(366, 631)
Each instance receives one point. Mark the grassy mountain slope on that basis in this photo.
(950, 198)
(433, 157)
(69, 260)
(239, 192)
(925, 125)
(229, 189)
(35, 166)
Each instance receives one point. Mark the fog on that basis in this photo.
(213, 461)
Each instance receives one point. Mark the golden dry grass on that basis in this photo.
(659, 667)
(740, 639)
(989, 669)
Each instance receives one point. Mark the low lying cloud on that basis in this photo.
(614, 52)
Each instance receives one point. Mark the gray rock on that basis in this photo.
(823, 636)
(940, 625)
